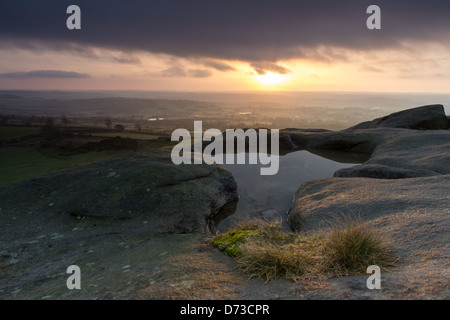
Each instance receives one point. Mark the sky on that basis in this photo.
(193, 45)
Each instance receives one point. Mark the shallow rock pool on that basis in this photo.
(269, 197)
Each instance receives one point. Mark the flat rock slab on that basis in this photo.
(320, 203)
(117, 220)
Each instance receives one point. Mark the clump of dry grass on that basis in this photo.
(352, 246)
(262, 249)
(271, 260)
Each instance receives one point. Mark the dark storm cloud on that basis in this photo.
(44, 74)
(251, 31)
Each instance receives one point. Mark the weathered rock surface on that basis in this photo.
(402, 190)
(117, 220)
(412, 214)
(174, 199)
(394, 154)
(318, 203)
(425, 118)
(378, 171)
(404, 153)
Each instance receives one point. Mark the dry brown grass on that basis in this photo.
(269, 252)
(352, 246)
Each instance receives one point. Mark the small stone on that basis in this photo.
(111, 174)
(16, 291)
(56, 236)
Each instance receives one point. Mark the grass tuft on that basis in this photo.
(353, 246)
(262, 249)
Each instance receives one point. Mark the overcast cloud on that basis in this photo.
(260, 32)
(44, 74)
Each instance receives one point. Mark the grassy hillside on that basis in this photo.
(27, 153)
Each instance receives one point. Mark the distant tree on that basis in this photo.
(65, 120)
(138, 126)
(50, 128)
(50, 122)
(108, 123)
(119, 127)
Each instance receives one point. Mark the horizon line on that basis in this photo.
(228, 91)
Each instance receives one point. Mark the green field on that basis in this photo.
(21, 163)
(9, 133)
(131, 135)
(27, 158)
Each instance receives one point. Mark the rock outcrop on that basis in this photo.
(174, 199)
(430, 117)
(117, 220)
(402, 191)
(395, 153)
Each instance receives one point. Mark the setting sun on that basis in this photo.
(271, 79)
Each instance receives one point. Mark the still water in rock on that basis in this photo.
(269, 197)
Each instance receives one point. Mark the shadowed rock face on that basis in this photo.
(430, 117)
(378, 171)
(365, 137)
(174, 199)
